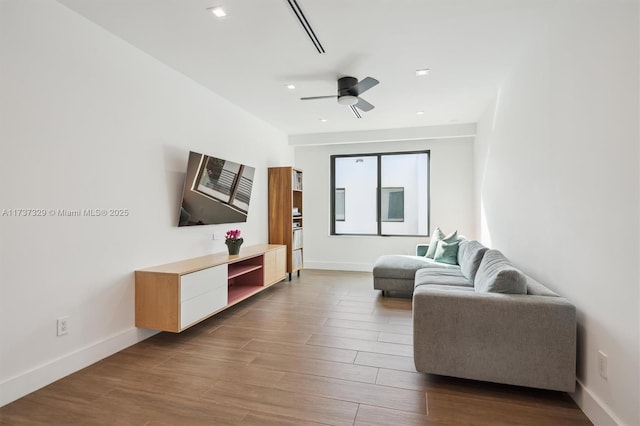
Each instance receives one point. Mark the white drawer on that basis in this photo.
(203, 305)
(200, 282)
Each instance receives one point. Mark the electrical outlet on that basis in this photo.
(63, 325)
(602, 364)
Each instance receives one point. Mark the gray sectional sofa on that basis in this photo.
(483, 319)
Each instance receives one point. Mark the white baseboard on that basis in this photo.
(339, 266)
(29, 381)
(597, 411)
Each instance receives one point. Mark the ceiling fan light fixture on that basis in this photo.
(348, 100)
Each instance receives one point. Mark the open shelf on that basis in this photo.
(235, 270)
(238, 293)
(246, 273)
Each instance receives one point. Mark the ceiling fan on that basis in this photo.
(349, 91)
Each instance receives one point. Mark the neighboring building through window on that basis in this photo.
(380, 194)
(339, 204)
(392, 204)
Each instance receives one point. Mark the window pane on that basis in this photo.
(406, 178)
(359, 178)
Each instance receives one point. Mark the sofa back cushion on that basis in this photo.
(470, 254)
(497, 275)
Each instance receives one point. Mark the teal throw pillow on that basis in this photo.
(437, 236)
(451, 237)
(447, 252)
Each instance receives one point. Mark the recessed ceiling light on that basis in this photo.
(324, 120)
(218, 11)
(420, 113)
(424, 71)
(291, 86)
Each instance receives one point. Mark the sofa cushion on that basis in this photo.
(437, 236)
(470, 254)
(447, 252)
(441, 276)
(497, 275)
(403, 266)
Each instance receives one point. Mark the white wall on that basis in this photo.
(451, 195)
(90, 122)
(557, 167)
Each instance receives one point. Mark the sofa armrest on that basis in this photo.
(523, 340)
(421, 249)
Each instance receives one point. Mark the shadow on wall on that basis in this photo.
(485, 230)
(174, 159)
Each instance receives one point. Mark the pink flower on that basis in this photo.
(232, 234)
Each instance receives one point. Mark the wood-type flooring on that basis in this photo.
(324, 348)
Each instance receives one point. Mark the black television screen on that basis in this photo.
(215, 191)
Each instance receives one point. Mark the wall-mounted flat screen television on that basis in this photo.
(215, 191)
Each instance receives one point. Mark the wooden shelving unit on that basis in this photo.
(178, 295)
(285, 214)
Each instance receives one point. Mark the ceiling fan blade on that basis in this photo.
(318, 97)
(364, 105)
(364, 85)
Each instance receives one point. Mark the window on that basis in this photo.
(380, 194)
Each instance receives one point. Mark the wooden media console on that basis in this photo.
(175, 296)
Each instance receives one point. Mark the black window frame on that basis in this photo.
(379, 156)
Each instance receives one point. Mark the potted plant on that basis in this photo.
(233, 240)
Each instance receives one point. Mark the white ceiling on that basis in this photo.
(249, 56)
